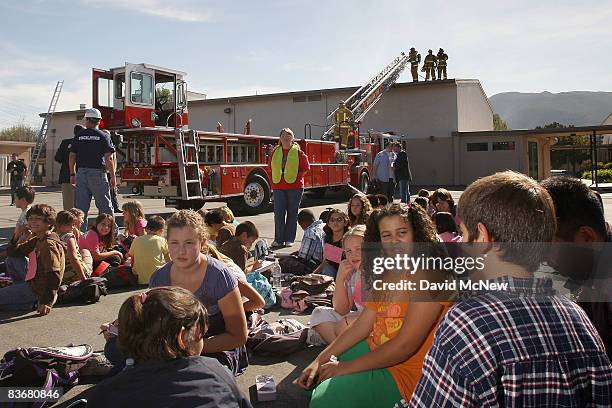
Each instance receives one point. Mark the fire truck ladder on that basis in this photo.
(41, 137)
(187, 149)
(366, 97)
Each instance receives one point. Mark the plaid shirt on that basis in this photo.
(312, 243)
(524, 347)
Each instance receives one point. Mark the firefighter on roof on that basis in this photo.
(415, 59)
(429, 66)
(343, 124)
(442, 58)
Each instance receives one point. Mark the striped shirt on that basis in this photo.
(524, 347)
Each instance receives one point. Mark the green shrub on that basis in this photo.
(603, 175)
(607, 165)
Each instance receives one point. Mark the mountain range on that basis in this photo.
(528, 110)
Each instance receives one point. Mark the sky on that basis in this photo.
(240, 47)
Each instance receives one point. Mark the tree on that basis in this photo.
(19, 133)
(499, 123)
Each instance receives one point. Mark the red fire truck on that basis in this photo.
(160, 157)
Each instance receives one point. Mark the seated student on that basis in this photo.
(523, 345)
(382, 201)
(163, 330)
(46, 263)
(442, 201)
(423, 193)
(423, 202)
(579, 252)
(446, 227)
(237, 248)
(228, 216)
(358, 210)
(78, 222)
(380, 356)
(212, 282)
(223, 231)
(133, 218)
(149, 252)
(16, 266)
(79, 263)
(100, 241)
(251, 299)
(373, 199)
(310, 254)
(329, 322)
(335, 228)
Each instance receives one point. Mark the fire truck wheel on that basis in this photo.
(256, 197)
(364, 182)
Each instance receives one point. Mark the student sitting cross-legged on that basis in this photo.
(46, 264)
(149, 252)
(163, 330)
(520, 344)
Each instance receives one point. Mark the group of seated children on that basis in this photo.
(389, 348)
(480, 348)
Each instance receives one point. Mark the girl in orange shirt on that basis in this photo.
(381, 354)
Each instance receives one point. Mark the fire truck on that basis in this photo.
(161, 157)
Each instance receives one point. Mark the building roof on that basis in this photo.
(18, 143)
(349, 89)
(556, 132)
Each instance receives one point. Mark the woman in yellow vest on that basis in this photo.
(288, 166)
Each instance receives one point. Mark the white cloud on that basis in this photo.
(182, 11)
(28, 82)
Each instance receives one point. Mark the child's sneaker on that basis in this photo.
(96, 366)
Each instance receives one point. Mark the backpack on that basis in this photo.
(261, 284)
(85, 291)
(280, 338)
(120, 277)
(43, 367)
(313, 284)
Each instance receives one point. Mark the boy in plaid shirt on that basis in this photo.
(524, 346)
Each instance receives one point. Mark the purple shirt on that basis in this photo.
(218, 282)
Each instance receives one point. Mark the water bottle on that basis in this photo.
(129, 363)
(276, 274)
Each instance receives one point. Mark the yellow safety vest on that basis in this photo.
(290, 170)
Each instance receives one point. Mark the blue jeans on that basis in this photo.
(16, 267)
(18, 296)
(16, 182)
(93, 182)
(404, 187)
(286, 206)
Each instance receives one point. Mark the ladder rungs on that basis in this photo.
(189, 145)
(192, 181)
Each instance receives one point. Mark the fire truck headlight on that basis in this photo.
(135, 122)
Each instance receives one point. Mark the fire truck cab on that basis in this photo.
(140, 96)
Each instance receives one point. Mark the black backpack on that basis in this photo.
(43, 367)
(86, 291)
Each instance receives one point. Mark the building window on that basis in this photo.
(307, 98)
(478, 147)
(503, 145)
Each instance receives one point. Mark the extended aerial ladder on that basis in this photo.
(41, 138)
(366, 97)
